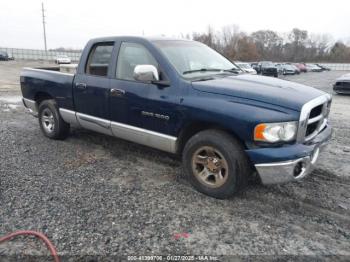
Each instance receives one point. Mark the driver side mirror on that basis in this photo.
(146, 73)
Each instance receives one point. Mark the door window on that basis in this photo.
(99, 59)
(131, 55)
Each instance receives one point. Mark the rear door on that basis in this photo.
(91, 89)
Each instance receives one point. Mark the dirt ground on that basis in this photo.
(100, 196)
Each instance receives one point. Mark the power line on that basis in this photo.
(43, 14)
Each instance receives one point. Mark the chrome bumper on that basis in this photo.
(292, 170)
(31, 106)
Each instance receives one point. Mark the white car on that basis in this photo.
(246, 68)
(63, 59)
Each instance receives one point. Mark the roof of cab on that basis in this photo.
(151, 38)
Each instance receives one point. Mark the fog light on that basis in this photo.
(299, 169)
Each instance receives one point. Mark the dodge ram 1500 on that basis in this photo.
(182, 97)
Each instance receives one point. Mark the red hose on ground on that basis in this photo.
(41, 236)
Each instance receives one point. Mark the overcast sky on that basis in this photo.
(70, 23)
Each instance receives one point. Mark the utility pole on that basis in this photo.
(43, 13)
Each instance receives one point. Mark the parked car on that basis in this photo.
(279, 69)
(313, 68)
(267, 68)
(246, 68)
(324, 68)
(4, 56)
(183, 97)
(288, 69)
(296, 69)
(285, 69)
(301, 67)
(63, 59)
(342, 85)
(255, 66)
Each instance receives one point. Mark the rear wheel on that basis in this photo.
(51, 123)
(215, 164)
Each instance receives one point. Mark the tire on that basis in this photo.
(233, 166)
(51, 123)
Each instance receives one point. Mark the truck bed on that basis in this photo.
(47, 81)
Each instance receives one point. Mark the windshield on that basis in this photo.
(289, 67)
(244, 66)
(267, 64)
(192, 59)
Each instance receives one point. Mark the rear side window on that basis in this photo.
(131, 55)
(99, 59)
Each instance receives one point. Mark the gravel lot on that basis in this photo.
(97, 195)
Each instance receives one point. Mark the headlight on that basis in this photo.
(276, 132)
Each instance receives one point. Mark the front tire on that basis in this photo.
(51, 123)
(215, 164)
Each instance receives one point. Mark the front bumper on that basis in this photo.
(343, 88)
(289, 163)
(269, 73)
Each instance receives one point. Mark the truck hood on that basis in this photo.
(260, 88)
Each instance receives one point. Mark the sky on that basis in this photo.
(71, 23)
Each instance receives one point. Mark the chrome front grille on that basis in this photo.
(313, 118)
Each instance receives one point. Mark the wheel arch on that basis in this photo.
(195, 127)
(41, 96)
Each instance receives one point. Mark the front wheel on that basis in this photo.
(215, 164)
(51, 123)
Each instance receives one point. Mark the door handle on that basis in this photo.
(80, 86)
(117, 92)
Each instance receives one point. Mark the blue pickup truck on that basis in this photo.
(182, 97)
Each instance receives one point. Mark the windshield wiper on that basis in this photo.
(202, 70)
(202, 79)
(232, 70)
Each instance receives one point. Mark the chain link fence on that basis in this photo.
(34, 54)
(337, 66)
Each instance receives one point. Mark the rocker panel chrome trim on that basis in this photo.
(97, 124)
(145, 137)
(134, 134)
(69, 116)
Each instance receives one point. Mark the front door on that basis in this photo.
(128, 97)
(133, 115)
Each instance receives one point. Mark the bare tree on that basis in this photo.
(340, 52)
(209, 38)
(268, 43)
(295, 46)
(246, 49)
